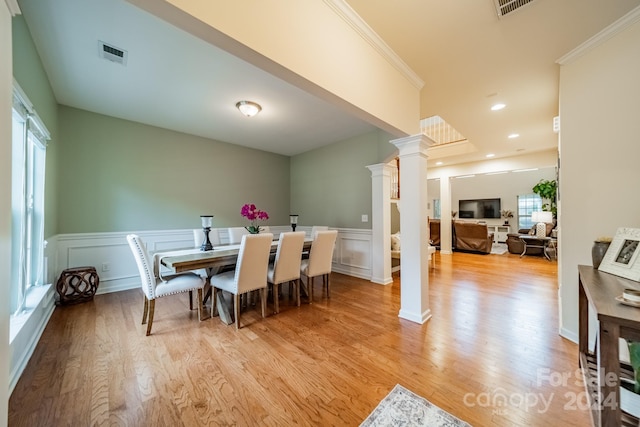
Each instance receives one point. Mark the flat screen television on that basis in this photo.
(479, 208)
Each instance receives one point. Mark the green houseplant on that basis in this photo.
(547, 190)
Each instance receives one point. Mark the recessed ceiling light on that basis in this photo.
(526, 170)
(496, 107)
(438, 163)
(488, 156)
(513, 135)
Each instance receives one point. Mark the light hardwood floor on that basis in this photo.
(491, 355)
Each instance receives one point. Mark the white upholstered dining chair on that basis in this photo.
(235, 234)
(198, 237)
(286, 266)
(155, 286)
(250, 273)
(319, 261)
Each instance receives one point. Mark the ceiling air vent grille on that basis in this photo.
(112, 53)
(505, 7)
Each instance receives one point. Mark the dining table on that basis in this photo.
(212, 261)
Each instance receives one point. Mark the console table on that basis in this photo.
(602, 368)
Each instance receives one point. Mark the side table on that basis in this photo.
(77, 285)
(534, 242)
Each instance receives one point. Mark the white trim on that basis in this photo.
(346, 12)
(620, 25)
(28, 105)
(14, 8)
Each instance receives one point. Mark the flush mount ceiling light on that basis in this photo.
(490, 155)
(248, 108)
(499, 106)
(513, 135)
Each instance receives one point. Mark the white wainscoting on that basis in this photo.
(109, 253)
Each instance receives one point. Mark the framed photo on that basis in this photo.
(621, 258)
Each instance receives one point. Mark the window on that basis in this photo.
(436, 208)
(29, 136)
(527, 204)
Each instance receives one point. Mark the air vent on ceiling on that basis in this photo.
(112, 53)
(505, 7)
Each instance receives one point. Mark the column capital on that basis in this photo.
(413, 144)
(380, 169)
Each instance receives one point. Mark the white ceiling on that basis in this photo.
(467, 57)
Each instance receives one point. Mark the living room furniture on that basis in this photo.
(156, 286)
(602, 368)
(250, 273)
(472, 236)
(434, 232)
(500, 232)
(286, 266)
(319, 262)
(530, 242)
(516, 246)
(395, 250)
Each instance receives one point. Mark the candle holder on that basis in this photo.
(207, 220)
(293, 220)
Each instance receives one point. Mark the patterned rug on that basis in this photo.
(499, 248)
(402, 407)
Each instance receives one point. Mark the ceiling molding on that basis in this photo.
(612, 30)
(13, 7)
(343, 10)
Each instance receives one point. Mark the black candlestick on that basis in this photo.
(206, 244)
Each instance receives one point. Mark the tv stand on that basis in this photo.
(499, 232)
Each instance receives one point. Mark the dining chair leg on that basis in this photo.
(236, 309)
(199, 304)
(310, 288)
(276, 302)
(190, 300)
(263, 301)
(214, 302)
(152, 307)
(145, 310)
(328, 285)
(296, 287)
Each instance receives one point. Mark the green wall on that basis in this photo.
(332, 185)
(118, 175)
(32, 78)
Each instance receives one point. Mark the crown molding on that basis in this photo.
(344, 11)
(13, 7)
(612, 30)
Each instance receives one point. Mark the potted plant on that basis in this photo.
(630, 390)
(506, 214)
(547, 190)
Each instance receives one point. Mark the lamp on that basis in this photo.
(293, 220)
(248, 108)
(206, 228)
(541, 218)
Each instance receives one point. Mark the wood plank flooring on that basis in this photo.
(491, 355)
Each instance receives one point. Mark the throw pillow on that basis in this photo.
(395, 242)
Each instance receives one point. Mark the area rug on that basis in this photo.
(404, 408)
(499, 248)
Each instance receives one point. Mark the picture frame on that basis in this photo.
(621, 258)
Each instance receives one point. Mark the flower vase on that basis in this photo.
(598, 251)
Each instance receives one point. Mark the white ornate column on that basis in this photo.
(381, 224)
(446, 224)
(414, 264)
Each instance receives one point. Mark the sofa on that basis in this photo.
(395, 251)
(472, 237)
(515, 245)
(434, 232)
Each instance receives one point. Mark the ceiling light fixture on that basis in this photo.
(249, 108)
(438, 163)
(490, 155)
(513, 135)
(496, 107)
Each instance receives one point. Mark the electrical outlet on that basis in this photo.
(106, 266)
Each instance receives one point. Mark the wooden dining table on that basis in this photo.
(212, 261)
